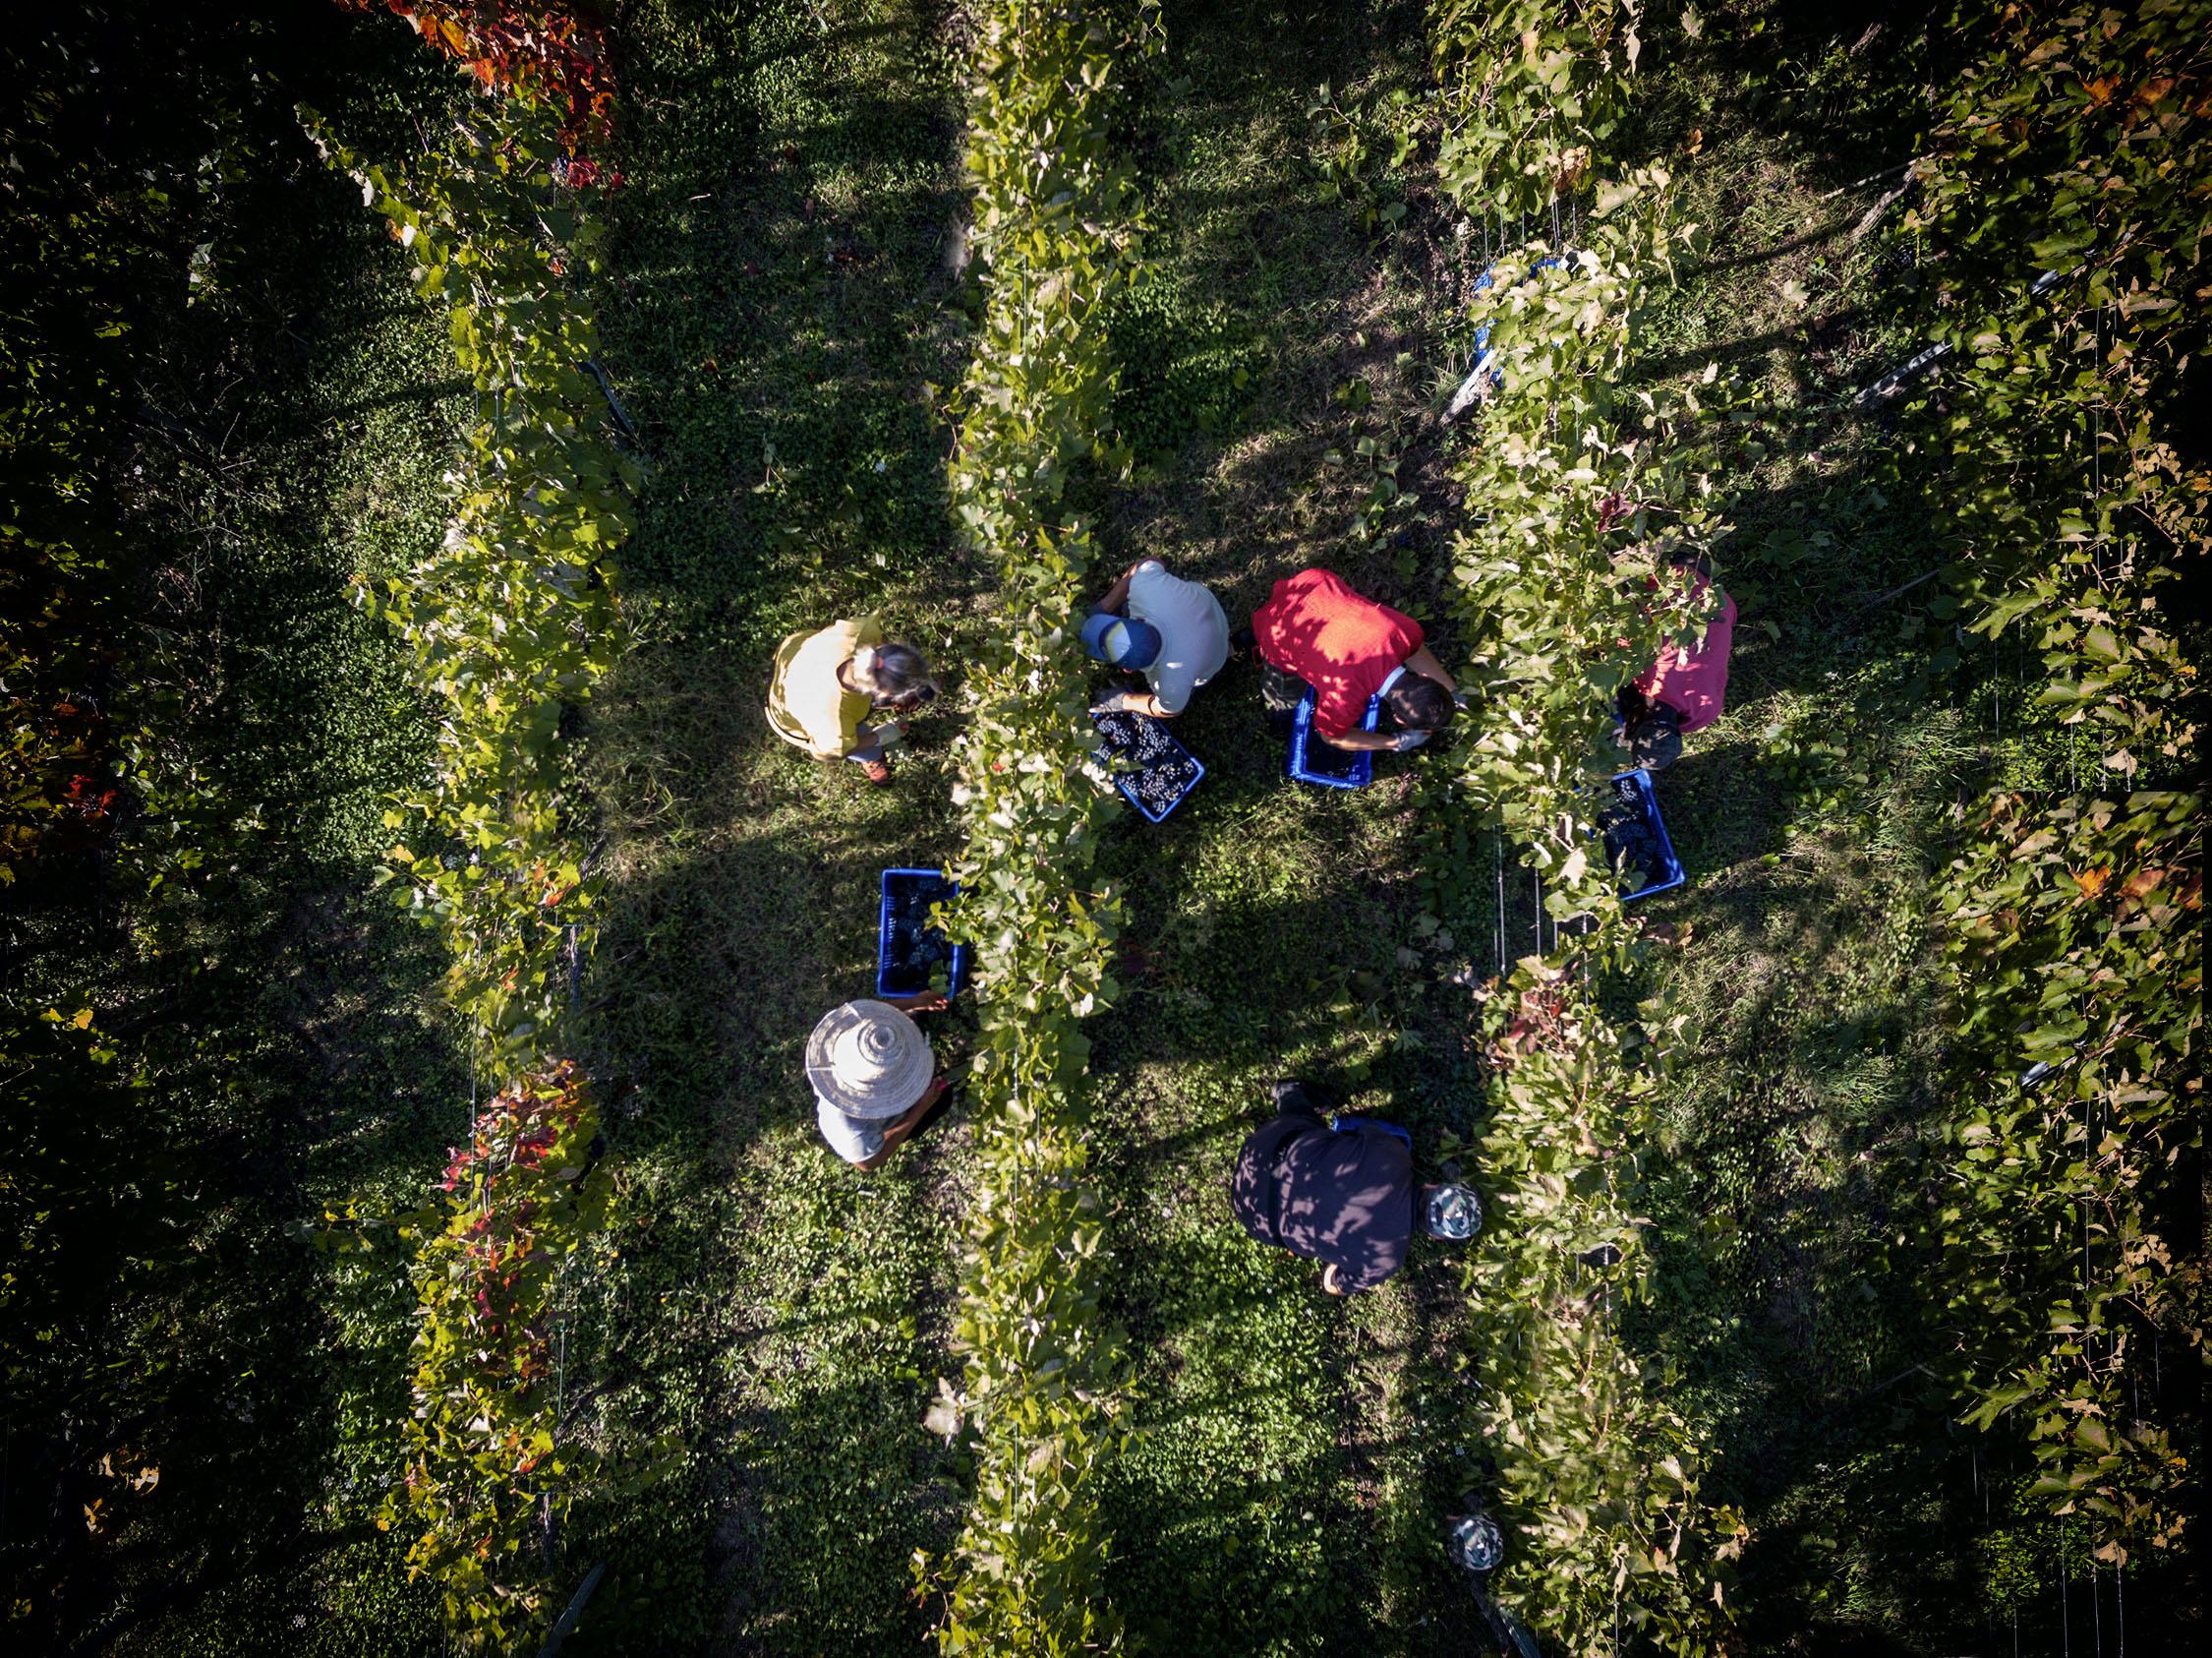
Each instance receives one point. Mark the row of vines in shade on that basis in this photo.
(507, 626)
(2059, 227)
(1054, 231)
(1567, 578)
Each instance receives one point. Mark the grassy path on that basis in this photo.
(1276, 1497)
(781, 308)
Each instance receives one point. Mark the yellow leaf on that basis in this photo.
(84, 1019)
(2091, 881)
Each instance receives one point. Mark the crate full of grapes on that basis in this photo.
(1161, 770)
(1636, 838)
(909, 950)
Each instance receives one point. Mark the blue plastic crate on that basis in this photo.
(897, 977)
(1122, 780)
(1358, 769)
(1340, 1118)
(1486, 359)
(1639, 797)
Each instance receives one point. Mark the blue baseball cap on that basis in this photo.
(1120, 641)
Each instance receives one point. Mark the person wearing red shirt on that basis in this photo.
(1683, 691)
(1315, 631)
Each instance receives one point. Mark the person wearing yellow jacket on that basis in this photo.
(828, 683)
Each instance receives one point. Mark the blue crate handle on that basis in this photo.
(1338, 1119)
(1485, 358)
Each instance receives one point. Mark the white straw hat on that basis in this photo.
(868, 1060)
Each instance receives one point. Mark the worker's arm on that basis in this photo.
(1375, 742)
(921, 1001)
(906, 1125)
(1423, 661)
(1133, 703)
(1117, 596)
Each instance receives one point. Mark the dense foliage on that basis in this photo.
(1571, 569)
(1596, 1467)
(2077, 937)
(204, 726)
(1533, 92)
(1052, 228)
(1567, 592)
(509, 623)
(545, 51)
(2061, 233)
(488, 1464)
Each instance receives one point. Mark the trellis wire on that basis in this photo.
(1497, 861)
(2066, 1601)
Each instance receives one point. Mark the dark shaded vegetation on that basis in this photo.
(199, 1403)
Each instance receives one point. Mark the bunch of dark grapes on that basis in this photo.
(917, 947)
(1164, 770)
(1629, 833)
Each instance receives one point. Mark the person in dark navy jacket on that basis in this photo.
(1343, 1196)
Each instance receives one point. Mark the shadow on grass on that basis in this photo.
(777, 307)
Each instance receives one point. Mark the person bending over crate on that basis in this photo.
(1169, 629)
(1316, 632)
(1683, 691)
(827, 683)
(873, 1075)
(1342, 1196)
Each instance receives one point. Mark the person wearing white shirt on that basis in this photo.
(1175, 632)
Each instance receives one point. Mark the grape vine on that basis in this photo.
(509, 625)
(1054, 227)
(538, 50)
(2059, 239)
(1581, 510)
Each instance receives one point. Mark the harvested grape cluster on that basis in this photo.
(1164, 770)
(1632, 832)
(917, 948)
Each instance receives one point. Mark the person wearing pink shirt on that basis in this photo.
(1683, 691)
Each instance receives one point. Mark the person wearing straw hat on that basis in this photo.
(873, 1075)
(1341, 1193)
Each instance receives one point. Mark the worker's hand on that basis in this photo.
(924, 1001)
(1406, 742)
